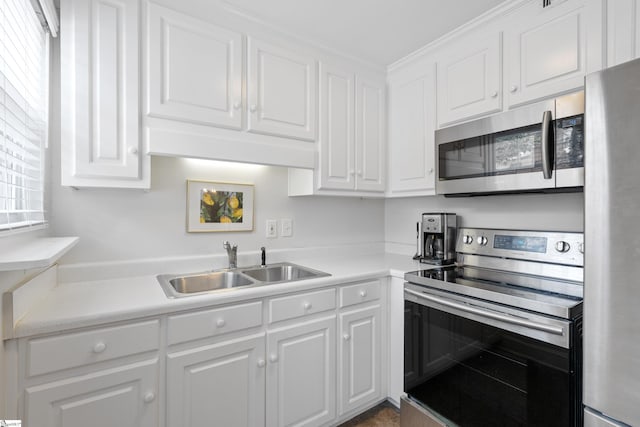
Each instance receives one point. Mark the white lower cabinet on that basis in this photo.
(123, 396)
(301, 384)
(359, 372)
(220, 384)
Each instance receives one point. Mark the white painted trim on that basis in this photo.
(497, 12)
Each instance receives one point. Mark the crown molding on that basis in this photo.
(498, 11)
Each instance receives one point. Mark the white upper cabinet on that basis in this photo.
(370, 134)
(623, 31)
(469, 79)
(412, 105)
(101, 144)
(195, 70)
(545, 51)
(281, 91)
(337, 132)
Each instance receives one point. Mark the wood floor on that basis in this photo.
(383, 415)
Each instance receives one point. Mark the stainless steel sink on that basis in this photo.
(282, 272)
(175, 285)
(179, 285)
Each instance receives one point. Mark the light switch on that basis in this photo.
(286, 227)
(272, 229)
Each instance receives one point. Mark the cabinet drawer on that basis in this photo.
(52, 354)
(202, 324)
(301, 305)
(358, 293)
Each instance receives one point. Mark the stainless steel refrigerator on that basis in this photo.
(612, 247)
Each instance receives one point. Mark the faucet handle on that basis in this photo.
(225, 244)
(263, 261)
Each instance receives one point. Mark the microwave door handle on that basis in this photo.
(547, 145)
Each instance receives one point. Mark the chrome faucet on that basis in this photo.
(232, 253)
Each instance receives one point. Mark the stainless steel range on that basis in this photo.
(496, 340)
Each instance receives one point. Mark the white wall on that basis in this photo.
(124, 225)
(561, 212)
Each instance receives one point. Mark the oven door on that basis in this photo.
(473, 363)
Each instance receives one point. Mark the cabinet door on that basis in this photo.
(282, 88)
(99, 93)
(337, 133)
(623, 31)
(301, 385)
(545, 51)
(195, 70)
(221, 384)
(370, 134)
(123, 397)
(360, 352)
(412, 122)
(469, 79)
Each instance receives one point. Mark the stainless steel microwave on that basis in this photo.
(538, 148)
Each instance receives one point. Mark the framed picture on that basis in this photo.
(219, 206)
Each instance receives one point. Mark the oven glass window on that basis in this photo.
(508, 152)
(477, 375)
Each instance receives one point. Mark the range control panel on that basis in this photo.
(546, 246)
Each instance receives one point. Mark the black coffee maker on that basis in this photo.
(437, 237)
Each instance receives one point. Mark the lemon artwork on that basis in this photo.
(224, 207)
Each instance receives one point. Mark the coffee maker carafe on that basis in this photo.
(438, 238)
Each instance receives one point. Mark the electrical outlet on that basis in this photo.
(286, 227)
(272, 229)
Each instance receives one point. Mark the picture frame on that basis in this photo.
(219, 206)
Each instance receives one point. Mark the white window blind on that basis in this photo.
(24, 58)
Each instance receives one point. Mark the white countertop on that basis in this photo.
(89, 303)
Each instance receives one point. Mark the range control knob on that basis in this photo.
(562, 246)
(482, 241)
(467, 239)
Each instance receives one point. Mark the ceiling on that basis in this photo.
(378, 31)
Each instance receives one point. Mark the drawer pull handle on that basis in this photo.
(261, 363)
(99, 347)
(307, 306)
(363, 294)
(273, 358)
(149, 397)
(220, 323)
(346, 337)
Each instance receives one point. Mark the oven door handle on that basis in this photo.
(488, 314)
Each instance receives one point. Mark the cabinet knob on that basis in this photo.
(149, 397)
(307, 306)
(237, 105)
(261, 363)
(99, 347)
(346, 337)
(273, 358)
(494, 94)
(359, 173)
(513, 88)
(352, 172)
(220, 323)
(430, 170)
(253, 108)
(133, 150)
(363, 294)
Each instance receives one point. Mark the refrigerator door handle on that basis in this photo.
(547, 145)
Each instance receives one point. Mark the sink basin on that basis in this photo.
(175, 285)
(204, 282)
(282, 272)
